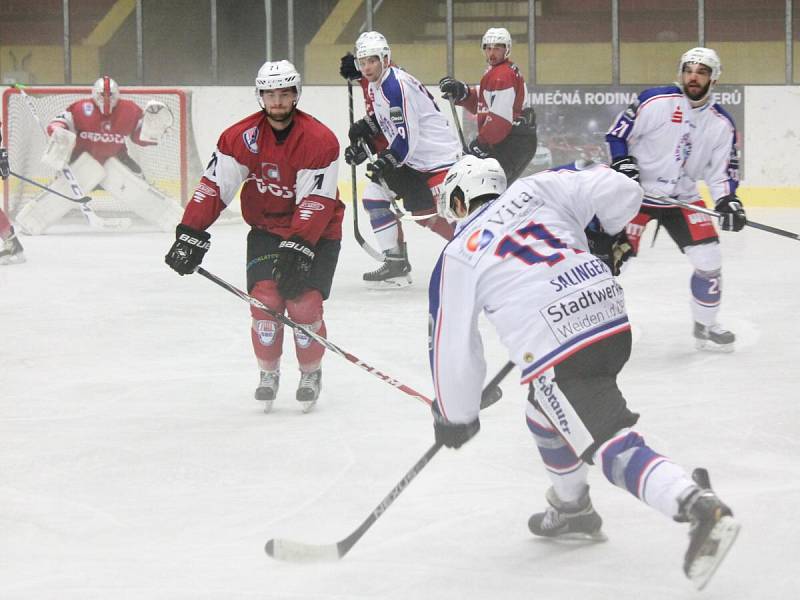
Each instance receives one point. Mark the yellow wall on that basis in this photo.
(46, 63)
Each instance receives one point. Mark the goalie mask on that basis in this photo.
(372, 43)
(275, 75)
(497, 35)
(105, 93)
(470, 178)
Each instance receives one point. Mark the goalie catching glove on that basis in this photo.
(292, 266)
(188, 250)
(613, 250)
(157, 119)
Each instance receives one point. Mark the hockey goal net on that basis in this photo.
(164, 165)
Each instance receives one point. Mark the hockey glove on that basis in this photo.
(385, 163)
(476, 148)
(627, 166)
(452, 435)
(453, 88)
(348, 68)
(355, 154)
(5, 169)
(363, 129)
(732, 216)
(292, 266)
(613, 250)
(188, 250)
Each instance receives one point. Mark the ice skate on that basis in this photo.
(308, 389)
(712, 530)
(11, 251)
(393, 273)
(713, 338)
(268, 388)
(568, 520)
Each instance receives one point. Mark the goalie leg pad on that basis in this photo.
(36, 216)
(140, 197)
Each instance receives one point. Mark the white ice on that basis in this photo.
(134, 462)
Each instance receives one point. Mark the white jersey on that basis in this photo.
(418, 133)
(676, 145)
(523, 260)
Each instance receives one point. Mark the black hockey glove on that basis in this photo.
(5, 169)
(452, 435)
(613, 250)
(188, 250)
(476, 148)
(384, 163)
(732, 216)
(627, 166)
(363, 129)
(453, 88)
(348, 68)
(355, 154)
(526, 119)
(291, 269)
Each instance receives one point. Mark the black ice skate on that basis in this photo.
(308, 389)
(712, 530)
(713, 338)
(268, 388)
(11, 250)
(393, 273)
(568, 520)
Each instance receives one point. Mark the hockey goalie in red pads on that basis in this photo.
(89, 138)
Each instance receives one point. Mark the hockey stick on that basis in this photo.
(492, 392)
(282, 549)
(457, 123)
(714, 213)
(51, 190)
(92, 217)
(315, 336)
(356, 232)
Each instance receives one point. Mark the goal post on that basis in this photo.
(164, 165)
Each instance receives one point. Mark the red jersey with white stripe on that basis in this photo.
(290, 179)
(101, 136)
(498, 100)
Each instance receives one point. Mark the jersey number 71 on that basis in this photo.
(525, 253)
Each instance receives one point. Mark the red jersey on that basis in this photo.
(290, 184)
(498, 100)
(100, 136)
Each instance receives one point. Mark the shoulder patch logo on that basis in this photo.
(88, 108)
(250, 138)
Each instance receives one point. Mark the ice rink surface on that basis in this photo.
(134, 462)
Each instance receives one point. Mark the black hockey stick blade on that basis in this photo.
(492, 393)
(281, 549)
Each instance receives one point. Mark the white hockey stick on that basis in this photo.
(94, 220)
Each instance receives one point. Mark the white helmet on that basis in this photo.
(497, 35)
(105, 93)
(471, 177)
(372, 43)
(703, 56)
(274, 75)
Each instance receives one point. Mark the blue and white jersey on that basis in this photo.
(676, 145)
(418, 133)
(523, 260)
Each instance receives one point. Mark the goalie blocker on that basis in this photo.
(131, 190)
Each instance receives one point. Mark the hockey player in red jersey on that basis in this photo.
(88, 142)
(506, 124)
(10, 247)
(288, 163)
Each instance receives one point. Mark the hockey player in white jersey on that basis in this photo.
(421, 147)
(522, 258)
(668, 139)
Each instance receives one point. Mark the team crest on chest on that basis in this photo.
(250, 138)
(677, 116)
(270, 171)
